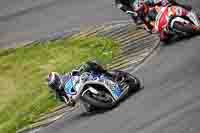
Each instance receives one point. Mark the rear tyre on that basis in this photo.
(133, 82)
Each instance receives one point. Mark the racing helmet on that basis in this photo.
(54, 81)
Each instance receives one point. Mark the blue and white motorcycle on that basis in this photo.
(99, 91)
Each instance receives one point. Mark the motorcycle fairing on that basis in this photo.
(115, 92)
(115, 89)
(103, 80)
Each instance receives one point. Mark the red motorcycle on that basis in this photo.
(176, 21)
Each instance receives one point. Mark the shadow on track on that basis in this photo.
(179, 39)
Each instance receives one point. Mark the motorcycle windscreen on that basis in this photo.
(69, 87)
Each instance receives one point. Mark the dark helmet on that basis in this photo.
(54, 80)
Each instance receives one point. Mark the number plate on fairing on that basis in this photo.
(115, 89)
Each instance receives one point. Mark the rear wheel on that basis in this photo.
(132, 81)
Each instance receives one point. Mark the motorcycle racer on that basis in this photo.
(172, 22)
(143, 11)
(146, 9)
(56, 81)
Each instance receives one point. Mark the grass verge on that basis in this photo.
(23, 91)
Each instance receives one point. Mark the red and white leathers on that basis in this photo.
(162, 20)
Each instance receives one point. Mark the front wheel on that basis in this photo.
(102, 100)
(187, 28)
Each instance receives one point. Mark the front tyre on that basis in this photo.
(187, 28)
(102, 100)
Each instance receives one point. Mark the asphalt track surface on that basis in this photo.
(170, 100)
(24, 20)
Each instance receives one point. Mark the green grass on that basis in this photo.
(23, 90)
